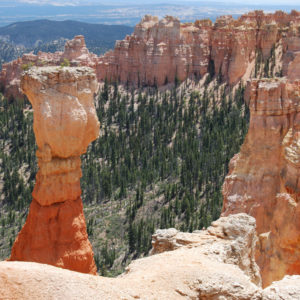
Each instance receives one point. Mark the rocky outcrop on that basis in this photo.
(65, 122)
(288, 289)
(171, 239)
(229, 240)
(217, 263)
(75, 54)
(264, 177)
(76, 50)
(161, 50)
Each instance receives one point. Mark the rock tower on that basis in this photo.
(65, 122)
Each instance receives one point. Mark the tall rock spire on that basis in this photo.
(65, 122)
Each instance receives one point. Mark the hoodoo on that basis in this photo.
(65, 122)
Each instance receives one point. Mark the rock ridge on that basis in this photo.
(160, 50)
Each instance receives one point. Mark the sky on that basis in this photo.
(125, 2)
(130, 12)
(267, 2)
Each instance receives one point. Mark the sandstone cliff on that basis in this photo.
(160, 50)
(65, 122)
(263, 180)
(264, 177)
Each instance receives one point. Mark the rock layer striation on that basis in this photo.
(65, 122)
(161, 50)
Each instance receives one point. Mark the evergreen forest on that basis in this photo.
(160, 162)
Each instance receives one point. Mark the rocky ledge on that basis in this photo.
(217, 263)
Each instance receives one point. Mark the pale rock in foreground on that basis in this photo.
(288, 289)
(217, 263)
(213, 264)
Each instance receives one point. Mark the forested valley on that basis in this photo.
(159, 162)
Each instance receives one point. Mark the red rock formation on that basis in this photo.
(77, 53)
(56, 235)
(291, 46)
(65, 122)
(160, 50)
(164, 49)
(264, 177)
(10, 78)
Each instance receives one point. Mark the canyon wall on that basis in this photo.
(161, 50)
(65, 122)
(264, 177)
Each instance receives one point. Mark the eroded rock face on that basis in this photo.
(230, 240)
(75, 48)
(264, 177)
(160, 50)
(65, 122)
(56, 235)
(75, 54)
(288, 289)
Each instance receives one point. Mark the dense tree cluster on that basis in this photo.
(17, 169)
(180, 141)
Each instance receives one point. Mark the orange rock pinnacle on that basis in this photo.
(65, 122)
